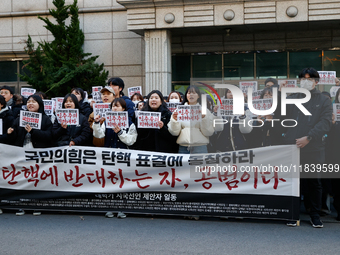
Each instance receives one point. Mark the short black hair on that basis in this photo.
(2, 101)
(41, 94)
(311, 71)
(80, 91)
(117, 82)
(119, 100)
(8, 88)
(74, 99)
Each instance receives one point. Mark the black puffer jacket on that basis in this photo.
(159, 140)
(316, 125)
(40, 138)
(81, 134)
(7, 120)
(85, 108)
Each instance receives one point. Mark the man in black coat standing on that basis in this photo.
(309, 135)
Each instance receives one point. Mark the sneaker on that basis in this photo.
(316, 222)
(36, 213)
(121, 215)
(291, 223)
(1, 211)
(109, 215)
(20, 212)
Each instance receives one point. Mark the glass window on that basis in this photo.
(239, 66)
(301, 60)
(8, 70)
(181, 68)
(273, 64)
(207, 66)
(331, 61)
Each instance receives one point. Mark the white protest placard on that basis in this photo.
(100, 109)
(257, 94)
(1, 127)
(57, 103)
(26, 92)
(48, 107)
(134, 90)
(287, 83)
(172, 106)
(263, 104)
(226, 109)
(96, 95)
(68, 116)
(333, 90)
(244, 85)
(148, 119)
(120, 119)
(189, 113)
(31, 118)
(327, 77)
(336, 111)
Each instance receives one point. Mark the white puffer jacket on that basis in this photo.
(194, 133)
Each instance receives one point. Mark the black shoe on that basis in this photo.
(338, 217)
(316, 222)
(291, 223)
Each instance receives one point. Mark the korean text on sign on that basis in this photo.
(120, 119)
(287, 83)
(134, 90)
(100, 109)
(57, 103)
(257, 94)
(96, 95)
(327, 77)
(148, 119)
(336, 111)
(172, 106)
(31, 118)
(244, 85)
(189, 113)
(226, 109)
(48, 106)
(26, 92)
(68, 116)
(263, 104)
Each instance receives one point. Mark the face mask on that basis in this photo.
(135, 102)
(174, 100)
(306, 84)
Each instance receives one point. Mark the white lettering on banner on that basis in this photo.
(148, 119)
(31, 118)
(191, 113)
(68, 116)
(104, 170)
(100, 109)
(120, 119)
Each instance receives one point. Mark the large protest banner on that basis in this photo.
(102, 179)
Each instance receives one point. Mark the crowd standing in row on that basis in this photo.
(185, 137)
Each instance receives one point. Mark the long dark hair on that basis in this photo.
(191, 89)
(39, 101)
(147, 106)
(337, 97)
(74, 99)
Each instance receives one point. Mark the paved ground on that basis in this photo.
(56, 233)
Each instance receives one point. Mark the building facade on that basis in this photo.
(163, 45)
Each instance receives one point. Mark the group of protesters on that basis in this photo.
(317, 135)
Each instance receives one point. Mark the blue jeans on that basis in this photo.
(192, 149)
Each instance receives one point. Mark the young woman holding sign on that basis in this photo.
(156, 139)
(72, 134)
(116, 137)
(27, 136)
(193, 137)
